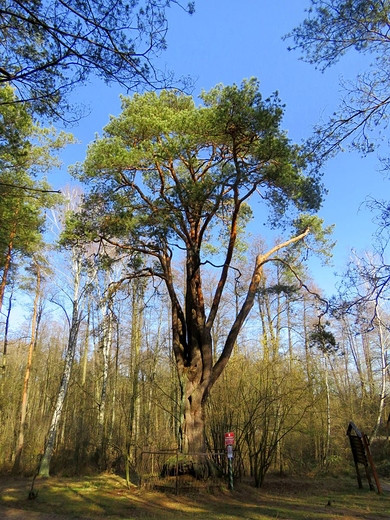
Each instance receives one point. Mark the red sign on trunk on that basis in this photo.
(229, 439)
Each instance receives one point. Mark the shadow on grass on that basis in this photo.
(106, 496)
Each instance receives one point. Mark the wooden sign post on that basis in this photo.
(361, 453)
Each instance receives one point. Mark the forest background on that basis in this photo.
(293, 397)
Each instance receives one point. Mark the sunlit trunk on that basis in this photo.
(136, 327)
(105, 350)
(382, 394)
(3, 363)
(194, 419)
(81, 418)
(23, 411)
(7, 260)
(326, 451)
(44, 469)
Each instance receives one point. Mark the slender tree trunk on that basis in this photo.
(328, 416)
(368, 362)
(266, 339)
(44, 469)
(8, 258)
(136, 326)
(152, 377)
(356, 357)
(84, 362)
(382, 394)
(105, 353)
(116, 372)
(3, 364)
(289, 333)
(81, 419)
(23, 411)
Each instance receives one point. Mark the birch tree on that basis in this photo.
(74, 325)
(78, 285)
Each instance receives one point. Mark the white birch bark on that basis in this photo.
(44, 469)
(383, 373)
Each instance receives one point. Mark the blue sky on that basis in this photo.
(225, 42)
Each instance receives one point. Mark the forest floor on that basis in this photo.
(106, 496)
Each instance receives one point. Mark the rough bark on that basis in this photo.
(192, 339)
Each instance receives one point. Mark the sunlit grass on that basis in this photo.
(289, 499)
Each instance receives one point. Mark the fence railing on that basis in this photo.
(172, 471)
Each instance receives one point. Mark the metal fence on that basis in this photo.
(175, 472)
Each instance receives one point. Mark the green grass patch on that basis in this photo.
(107, 496)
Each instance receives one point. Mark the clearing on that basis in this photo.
(106, 496)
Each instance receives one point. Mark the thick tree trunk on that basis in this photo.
(192, 337)
(194, 418)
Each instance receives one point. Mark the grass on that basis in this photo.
(106, 496)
